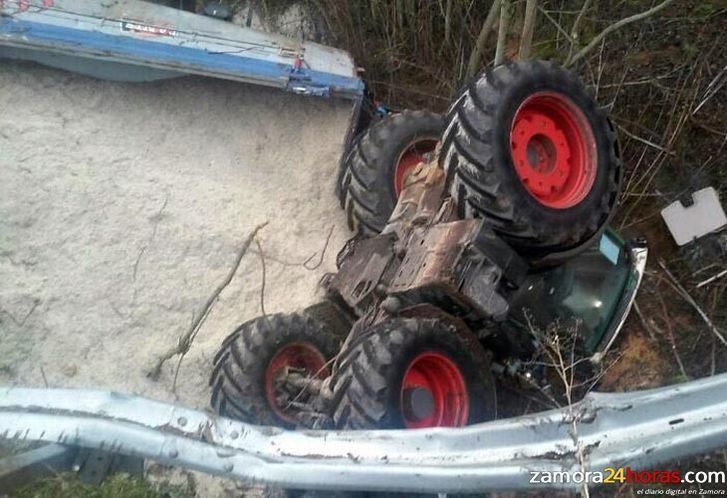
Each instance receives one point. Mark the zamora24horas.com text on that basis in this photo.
(669, 480)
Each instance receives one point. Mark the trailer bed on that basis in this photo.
(131, 40)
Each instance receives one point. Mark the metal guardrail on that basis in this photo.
(639, 429)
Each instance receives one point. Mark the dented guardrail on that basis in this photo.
(639, 429)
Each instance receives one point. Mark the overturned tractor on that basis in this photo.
(462, 247)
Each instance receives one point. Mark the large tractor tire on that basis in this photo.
(526, 148)
(246, 367)
(379, 162)
(411, 373)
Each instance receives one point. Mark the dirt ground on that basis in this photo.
(122, 207)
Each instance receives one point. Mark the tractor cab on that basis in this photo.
(595, 289)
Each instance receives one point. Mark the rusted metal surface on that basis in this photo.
(462, 262)
(432, 255)
(639, 429)
(426, 255)
(363, 271)
(420, 203)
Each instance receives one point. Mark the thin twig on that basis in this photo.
(712, 279)
(713, 362)
(574, 28)
(670, 336)
(22, 321)
(613, 27)
(155, 219)
(647, 326)
(714, 86)
(557, 25)
(262, 277)
(45, 380)
(474, 62)
(306, 262)
(674, 128)
(185, 340)
(180, 360)
(323, 253)
(285, 262)
(136, 263)
(644, 141)
(552, 347)
(689, 299)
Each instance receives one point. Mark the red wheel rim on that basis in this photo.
(553, 150)
(298, 355)
(408, 161)
(434, 393)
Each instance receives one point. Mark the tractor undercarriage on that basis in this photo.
(454, 249)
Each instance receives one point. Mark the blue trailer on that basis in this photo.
(131, 40)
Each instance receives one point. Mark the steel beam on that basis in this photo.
(640, 429)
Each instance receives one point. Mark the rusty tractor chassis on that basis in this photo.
(425, 255)
(429, 263)
(426, 258)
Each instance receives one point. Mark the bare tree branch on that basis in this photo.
(613, 27)
(557, 25)
(690, 300)
(263, 277)
(553, 347)
(448, 22)
(574, 29)
(526, 38)
(476, 55)
(185, 340)
(502, 32)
